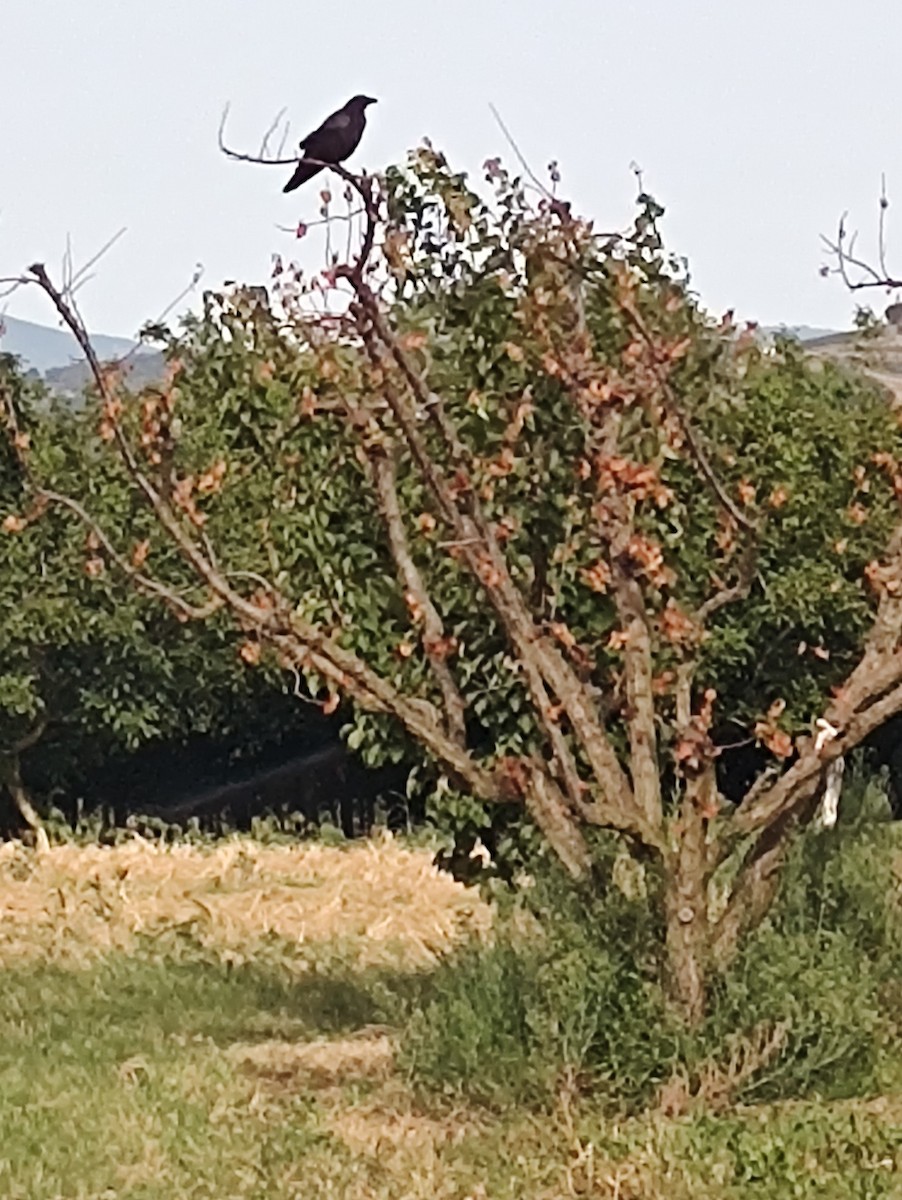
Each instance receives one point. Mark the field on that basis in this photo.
(220, 1022)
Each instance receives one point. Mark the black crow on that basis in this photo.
(333, 142)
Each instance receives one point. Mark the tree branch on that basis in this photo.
(433, 638)
(843, 250)
(737, 591)
(638, 663)
(142, 581)
(479, 549)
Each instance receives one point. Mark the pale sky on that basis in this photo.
(756, 123)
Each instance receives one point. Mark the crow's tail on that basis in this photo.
(305, 171)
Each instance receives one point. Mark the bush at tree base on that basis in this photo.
(573, 1001)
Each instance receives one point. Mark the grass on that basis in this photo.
(208, 1058)
(116, 1080)
(386, 905)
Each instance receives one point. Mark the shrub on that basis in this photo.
(567, 994)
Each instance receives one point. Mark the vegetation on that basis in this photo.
(93, 670)
(206, 1058)
(498, 483)
(617, 583)
(554, 1008)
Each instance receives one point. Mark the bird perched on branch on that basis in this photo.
(334, 141)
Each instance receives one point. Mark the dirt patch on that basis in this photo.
(389, 1122)
(387, 904)
(322, 1063)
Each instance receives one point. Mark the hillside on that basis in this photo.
(141, 368)
(877, 354)
(55, 355)
(42, 348)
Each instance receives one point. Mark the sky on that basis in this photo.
(755, 123)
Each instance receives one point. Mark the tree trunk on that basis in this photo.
(12, 778)
(686, 914)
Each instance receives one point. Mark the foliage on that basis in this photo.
(91, 667)
(541, 521)
(796, 437)
(565, 999)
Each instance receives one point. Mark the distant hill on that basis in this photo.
(876, 353)
(55, 355)
(805, 333)
(43, 348)
(143, 367)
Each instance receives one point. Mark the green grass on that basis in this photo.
(116, 1082)
(113, 1080)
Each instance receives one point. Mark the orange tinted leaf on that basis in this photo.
(662, 684)
(441, 647)
(211, 480)
(779, 743)
(413, 340)
(597, 577)
(250, 652)
(676, 626)
(746, 491)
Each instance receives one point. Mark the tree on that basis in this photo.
(92, 671)
(498, 481)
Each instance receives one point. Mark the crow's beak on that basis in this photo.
(367, 100)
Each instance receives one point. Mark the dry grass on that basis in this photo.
(387, 904)
(325, 1062)
(718, 1082)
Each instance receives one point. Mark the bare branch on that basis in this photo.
(486, 561)
(30, 739)
(873, 696)
(81, 275)
(418, 599)
(541, 187)
(143, 582)
(262, 159)
(349, 216)
(276, 121)
(842, 249)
